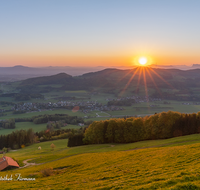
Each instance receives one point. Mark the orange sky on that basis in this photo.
(99, 33)
(76, 61)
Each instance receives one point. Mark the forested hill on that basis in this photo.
(162, 78)
(115, 79)
(126, 75)
(165, 73)
(57, 82)
(54, 79)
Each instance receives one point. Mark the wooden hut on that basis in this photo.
(7, 163)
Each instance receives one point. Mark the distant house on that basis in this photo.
(81, 124)
(7, 163)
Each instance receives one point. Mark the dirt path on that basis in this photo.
(26, 163)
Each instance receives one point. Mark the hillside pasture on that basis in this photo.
(162, 164)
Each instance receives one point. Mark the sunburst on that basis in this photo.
(141, 72)
(142, 61)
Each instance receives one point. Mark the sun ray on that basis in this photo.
(127, 84)
(105, 82)
(162, 78)
(133, 70)
(145, 84)
(138, 83)
(143, 72)
(147, 69)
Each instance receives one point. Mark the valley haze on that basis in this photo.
(20, 72)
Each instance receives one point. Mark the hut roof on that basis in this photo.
(6, 162)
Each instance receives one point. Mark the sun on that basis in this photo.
(142, 60)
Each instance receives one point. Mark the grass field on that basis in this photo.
(144, 108)
(162, 164)
(55, 111)
(35, 127)
(24, 126)
(129, 110)
(101, 98)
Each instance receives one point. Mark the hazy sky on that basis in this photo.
(98, 32)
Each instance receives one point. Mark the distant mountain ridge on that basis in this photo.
(115, 80)
(196, 66)
(20, 69)
(20, 72)
(47, 80)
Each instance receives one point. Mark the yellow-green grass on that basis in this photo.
(61, 147)
(110, 166)
(35, 127)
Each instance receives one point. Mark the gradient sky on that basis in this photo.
(98, 32)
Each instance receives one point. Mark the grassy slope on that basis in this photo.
(166, 164)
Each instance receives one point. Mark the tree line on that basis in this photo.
(22, 96)
(7, 124)
(57, 117)
(123, 130)
(39, 119)
(17, 139)
(127, 130)
(47, 135)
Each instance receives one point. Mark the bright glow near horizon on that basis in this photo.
(93, 33)
(142, 60)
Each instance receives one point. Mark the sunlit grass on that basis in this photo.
(110, 166)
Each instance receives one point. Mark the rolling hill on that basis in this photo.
(148, 165)
(164, 81)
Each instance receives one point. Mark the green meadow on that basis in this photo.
(54, 111)
(35, 127)
(142, 108)
(145, 108)
(139, 109)
(160, 164)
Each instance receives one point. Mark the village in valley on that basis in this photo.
(88, 106)
(84, 106)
